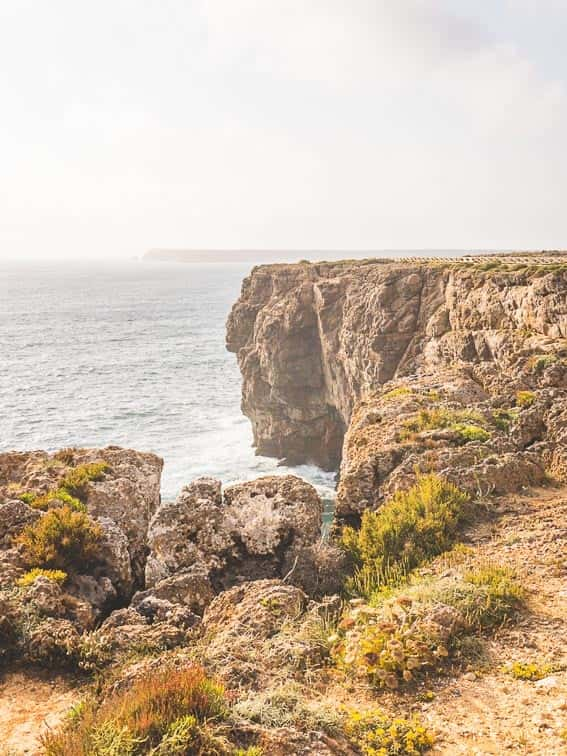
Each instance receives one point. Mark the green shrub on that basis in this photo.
(393, 640)
(410, 528)
(538, 363)
(503, 418)
(42, 502)
(154, 714)
(525, 398)
(56, 576)
(61, 539)
(397, 393)
(77, 479)
(486, 597)
(469, 433)
(27, 497)
(377, 734)
(467, 424)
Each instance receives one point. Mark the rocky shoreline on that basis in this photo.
(411, 378)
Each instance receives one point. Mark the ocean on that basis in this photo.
(131, 354)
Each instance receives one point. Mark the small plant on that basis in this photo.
(412, 527)
(155, 714)
(487, 596)
(538, 363)
(62, 539)
(77, 479)
(27, 497)
(29, 578)
(528, 671)
(503, 418)
(397, 393)
(469, 433)
(525, 398)
(287, 706)
(466, 424)
(72, 488)
(44, 501)
(377, 734)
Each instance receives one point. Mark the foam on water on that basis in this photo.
(133, 355)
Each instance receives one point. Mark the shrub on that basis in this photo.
(167, 706)
(528, 671)
(27, 498)
(413, 526)
(525, 398)
(467, 425)
(77, 479)
(56, 576)
(287, 706)
(377, 734)
(397, 393)
(61, 495)
(469, 433)
(539, 363)
(391, 640)
(61, 539)
(503, 418)
(495, 595)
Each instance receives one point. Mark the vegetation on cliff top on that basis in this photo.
(62, 539)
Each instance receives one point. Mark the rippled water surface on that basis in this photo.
(130, 354)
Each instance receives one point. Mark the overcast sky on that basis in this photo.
(314, 124)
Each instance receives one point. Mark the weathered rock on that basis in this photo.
(127, 494)
(190, 587)
(260, 529)
(114, 557)
(313, 339)
(258, 608)
(188, 531)
(14, 517)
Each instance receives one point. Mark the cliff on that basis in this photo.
(313, 339)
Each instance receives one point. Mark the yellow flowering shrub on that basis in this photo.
(377, 734)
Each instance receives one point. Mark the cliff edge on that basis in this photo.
(314, 339)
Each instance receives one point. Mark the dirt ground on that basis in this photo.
(30, 702)
(486, 710)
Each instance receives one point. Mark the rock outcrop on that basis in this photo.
(123, 499)
(314, 339)
(208, 540)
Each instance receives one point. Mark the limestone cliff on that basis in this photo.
(314, 339)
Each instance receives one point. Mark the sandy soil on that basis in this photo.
(486, 710)
(30, 702)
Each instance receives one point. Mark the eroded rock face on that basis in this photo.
(260, 529)
(314, 339)
(484, 444)
(123, 501)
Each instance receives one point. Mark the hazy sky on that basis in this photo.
(130, 124)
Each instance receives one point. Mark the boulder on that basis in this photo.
(190, 587)
(15, 515)
(261, 529)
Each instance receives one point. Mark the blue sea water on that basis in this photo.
(131, 354)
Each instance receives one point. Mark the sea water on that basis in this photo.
(131, 354)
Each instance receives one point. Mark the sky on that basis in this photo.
(127, 125)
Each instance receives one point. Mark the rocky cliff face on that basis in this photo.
(313, 339)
